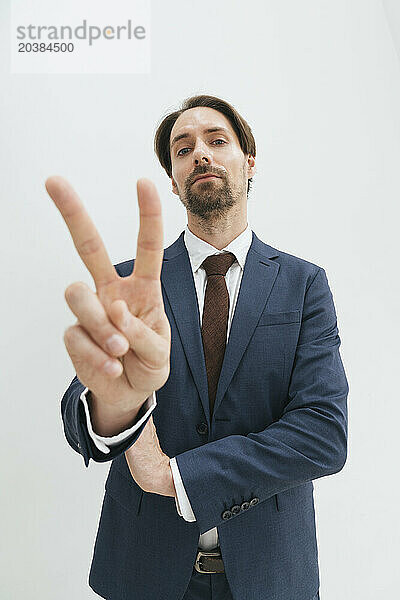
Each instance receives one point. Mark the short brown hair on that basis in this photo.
(240, 126)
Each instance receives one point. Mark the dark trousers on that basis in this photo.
(213, 586)
(208, 586)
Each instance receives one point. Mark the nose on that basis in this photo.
(203, 158)
(201, 155)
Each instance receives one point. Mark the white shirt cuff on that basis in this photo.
(182, 501)
(104, 443)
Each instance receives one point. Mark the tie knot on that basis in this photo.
(218, 264)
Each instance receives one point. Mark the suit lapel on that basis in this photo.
(177, 280)
(258, 278)
(257, 281)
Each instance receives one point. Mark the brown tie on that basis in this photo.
(214, 324)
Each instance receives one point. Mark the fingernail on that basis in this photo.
(112, 368)
(116, 344)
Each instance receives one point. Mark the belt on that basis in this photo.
(209, 562)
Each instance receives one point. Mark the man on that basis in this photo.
(210, 493)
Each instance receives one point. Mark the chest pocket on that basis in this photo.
(124, 490)
(279, 318)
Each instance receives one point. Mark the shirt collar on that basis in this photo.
(198, 249)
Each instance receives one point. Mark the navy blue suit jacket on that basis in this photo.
(279, 421)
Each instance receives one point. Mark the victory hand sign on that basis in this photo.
(120, 344)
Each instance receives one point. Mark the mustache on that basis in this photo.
(204, 171)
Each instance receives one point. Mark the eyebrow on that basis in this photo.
(209, 130)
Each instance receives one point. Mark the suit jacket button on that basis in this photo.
(202, 428)
(245, 505)
(226, 515)
(235, 509)
(254, 501)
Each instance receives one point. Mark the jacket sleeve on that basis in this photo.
(307, 442)
(105, 443)
(76, 429)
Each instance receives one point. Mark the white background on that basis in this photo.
(319, 83)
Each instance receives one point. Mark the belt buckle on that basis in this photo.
(202, 554)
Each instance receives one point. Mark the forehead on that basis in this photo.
(195, 120)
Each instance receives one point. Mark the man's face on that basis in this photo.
(208, 152)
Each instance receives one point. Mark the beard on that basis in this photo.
(206, 199)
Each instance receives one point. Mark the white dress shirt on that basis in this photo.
(198, 251)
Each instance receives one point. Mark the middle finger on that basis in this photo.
(86, 306)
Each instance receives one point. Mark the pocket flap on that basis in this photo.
(296, 498)
(126, 492)
(279, 318)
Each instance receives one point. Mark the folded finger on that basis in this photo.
(91, 314)
(89, 360)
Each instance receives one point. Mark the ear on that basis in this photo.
(174, 186)
(251, 165)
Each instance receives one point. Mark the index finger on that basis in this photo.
(85, 236)
(150, 250)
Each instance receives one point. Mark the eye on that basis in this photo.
(179, 153)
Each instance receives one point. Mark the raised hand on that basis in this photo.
(125, 309)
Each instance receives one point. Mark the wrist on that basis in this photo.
(166, 485)
(109, 419)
